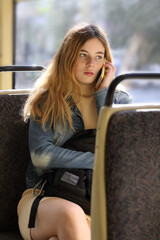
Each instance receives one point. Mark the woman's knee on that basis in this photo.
(56, 214)
(72, 212)
(74, 221)
(57, 209)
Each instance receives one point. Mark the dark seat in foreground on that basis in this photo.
(133, 176)
(126, 184)
(14, 158)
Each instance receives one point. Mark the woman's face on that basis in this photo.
(90, 61)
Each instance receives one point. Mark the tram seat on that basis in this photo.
(127, 148)
(14, 158)
(126, 182)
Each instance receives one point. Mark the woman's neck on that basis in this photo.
(86, 90)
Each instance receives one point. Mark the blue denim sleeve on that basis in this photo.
(120, 97)
(100, 96)
(45, 155)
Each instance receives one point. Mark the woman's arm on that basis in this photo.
(45, 155)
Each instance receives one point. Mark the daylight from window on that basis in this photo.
(132, 27)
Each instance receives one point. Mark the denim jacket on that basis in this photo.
(46, 145)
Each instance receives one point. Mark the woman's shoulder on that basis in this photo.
(121, 96)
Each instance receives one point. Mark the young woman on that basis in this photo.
(64, 101)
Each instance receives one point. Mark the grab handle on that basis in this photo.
(120, 78)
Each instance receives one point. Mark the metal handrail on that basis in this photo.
(22, 68)
(120, 78)
(15, 91)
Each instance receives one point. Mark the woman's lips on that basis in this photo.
(89, 73)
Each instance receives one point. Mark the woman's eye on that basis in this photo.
(98, 57)
(83, 55)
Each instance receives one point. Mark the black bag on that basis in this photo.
(71, 184)
(82, 141)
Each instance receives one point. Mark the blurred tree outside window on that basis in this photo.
(132, 27)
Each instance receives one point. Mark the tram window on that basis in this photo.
(25, 80)
(142, 90)
(41, 26)
(132, 28)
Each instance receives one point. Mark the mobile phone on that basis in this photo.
(100, 78)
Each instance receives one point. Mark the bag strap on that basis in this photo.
(36, 201)
(33, 211)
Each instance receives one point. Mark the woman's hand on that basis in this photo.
(109, 75)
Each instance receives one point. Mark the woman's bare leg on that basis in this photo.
(53, 238)
(62, 219)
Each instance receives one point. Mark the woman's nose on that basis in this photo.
(90, 61)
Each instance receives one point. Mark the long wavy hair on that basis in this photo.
(50, 99)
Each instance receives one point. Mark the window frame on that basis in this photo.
(6, 41)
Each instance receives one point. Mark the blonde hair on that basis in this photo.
(51, 98)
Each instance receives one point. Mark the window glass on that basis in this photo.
(132, 27)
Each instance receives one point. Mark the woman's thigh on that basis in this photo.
(52, 216)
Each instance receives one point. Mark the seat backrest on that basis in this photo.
(128, 148)
(133, 176)
(14, 158)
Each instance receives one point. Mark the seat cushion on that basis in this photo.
(14, 158)
(13, 235)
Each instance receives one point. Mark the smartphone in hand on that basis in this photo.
(100, 78)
